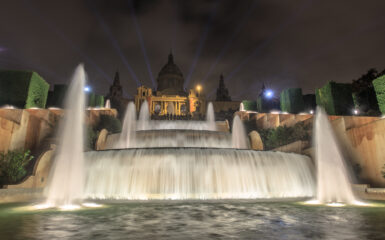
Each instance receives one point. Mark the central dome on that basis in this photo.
(170, 79)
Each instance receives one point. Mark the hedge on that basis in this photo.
(99, 101)
(23, 89)
(266, 105)
(91, 99)
(309, 102)
(249, 105)
(335, 98)
(379, 88)
(291, 100)
(56, 97)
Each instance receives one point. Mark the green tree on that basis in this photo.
(12, 165)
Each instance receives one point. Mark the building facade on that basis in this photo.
(170, 97)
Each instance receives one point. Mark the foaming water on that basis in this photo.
(197, 173)
(66, 180)
(239, 137)
(333, 182)
(181, 138)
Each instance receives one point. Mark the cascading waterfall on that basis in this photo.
(127, 136)
(196, 173)
(333, 182)
(66, 180)
(239, 137)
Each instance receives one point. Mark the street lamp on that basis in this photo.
(269, 93)
(199, 88)
(87, 89)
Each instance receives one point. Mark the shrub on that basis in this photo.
(12, 166)
(291, 100)
(23, 89)
(99, 101)
(379, 87)
(335, 98)
(112, 124)
(249, 105)
(92, 136)
(309, 102)
(91, 99)
(56, 97)
(282, 135)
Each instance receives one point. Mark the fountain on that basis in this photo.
(239, 137)
(210, 117)
(108, 104)
(333, 182)
(189, 160)
(127, 137)
(241, 107)
(144, 117)
(66, 180)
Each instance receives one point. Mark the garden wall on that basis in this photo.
(28, 128)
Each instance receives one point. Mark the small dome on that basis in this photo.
(170, 79)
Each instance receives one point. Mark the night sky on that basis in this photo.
(283, 43)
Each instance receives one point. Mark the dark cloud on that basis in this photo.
(296, 43)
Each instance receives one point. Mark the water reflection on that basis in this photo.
(198, 220)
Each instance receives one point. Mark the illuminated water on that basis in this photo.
(333, 181)
(230, 219)
(197, 173)
(66, 180)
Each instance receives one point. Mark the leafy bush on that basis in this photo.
(379, 87)
(23, 89)
(112, 124)
(99, 101)
(56, 97)
(282, 135)
(91, 137)
(291, 100)
(12, 166)
(249, 105)
(335, 98)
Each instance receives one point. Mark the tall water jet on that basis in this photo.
(127, 135)
(333, 182)
(241, 107)
(239, 138)
(108, 104)
(144, 117)
(210, 117)
(66, 181)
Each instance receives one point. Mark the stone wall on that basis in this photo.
(361, 139)
(28, 128)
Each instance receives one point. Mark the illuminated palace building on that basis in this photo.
(170, 97)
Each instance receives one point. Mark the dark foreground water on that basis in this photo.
(195, 220)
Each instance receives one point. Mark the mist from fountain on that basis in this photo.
(333, 181)
(127, 136)
(239, 137)
(66, 181)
